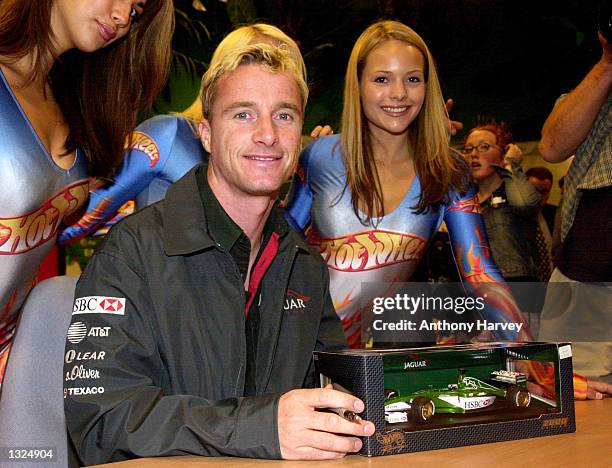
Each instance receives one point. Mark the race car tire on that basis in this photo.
(422, 409)
(518, 397)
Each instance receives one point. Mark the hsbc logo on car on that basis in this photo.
(99, 305)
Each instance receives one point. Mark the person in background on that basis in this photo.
(218, 303)
(73, 75)
(579, 309)
(370, 199)
(561, 185)
(542, 179)
(508, 202)
(510, 207)
(556, 232)
(166, 147)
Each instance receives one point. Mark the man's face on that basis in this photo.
(543, 186)
(253, 134)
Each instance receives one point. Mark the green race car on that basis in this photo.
(468, 394)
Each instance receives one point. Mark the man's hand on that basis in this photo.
(596, 390)
(572, 118)
(321, 131)
(454, 125)
(606, 57)
(306, 434)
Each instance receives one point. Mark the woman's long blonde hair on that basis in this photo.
(429, 134)
(240, 37)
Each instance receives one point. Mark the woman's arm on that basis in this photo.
(298, 203)
(151, 146)
(479, 273)
(522, 196)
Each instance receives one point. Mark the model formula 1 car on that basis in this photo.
(468, 394)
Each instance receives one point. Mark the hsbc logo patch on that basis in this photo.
(99, 305)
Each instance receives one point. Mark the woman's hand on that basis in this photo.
(454, 125)
(513, 153)
(321, 131)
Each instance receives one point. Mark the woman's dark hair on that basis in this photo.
(99, 93)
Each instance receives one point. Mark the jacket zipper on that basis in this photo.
(240, 378)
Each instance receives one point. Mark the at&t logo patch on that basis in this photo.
(76, 332)
(99, 305)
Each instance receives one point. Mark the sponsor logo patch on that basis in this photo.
(99, 305)
(80, 372)
(74, 391)
(99, 331)
(76, 332)
(72, 355)
(295, 302)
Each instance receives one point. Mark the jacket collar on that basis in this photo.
(184, 220)
(185, 228)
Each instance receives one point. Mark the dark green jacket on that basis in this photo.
(171, 377)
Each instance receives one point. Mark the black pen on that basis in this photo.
(345, 413)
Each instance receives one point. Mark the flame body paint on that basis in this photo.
(36, 197)
(162, 150)
(388, 249)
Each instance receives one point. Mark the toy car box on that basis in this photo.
(447, 396)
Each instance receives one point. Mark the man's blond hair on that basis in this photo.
(242, 36)
(274, 59)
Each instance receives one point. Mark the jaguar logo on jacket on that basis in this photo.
(295, 303)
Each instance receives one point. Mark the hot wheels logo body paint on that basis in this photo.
(369, 250)
(18, 235)
(144, 143)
